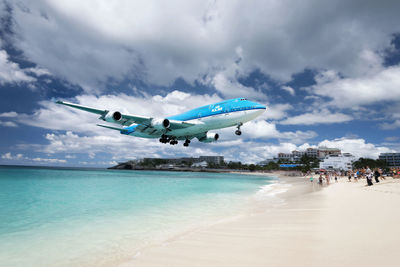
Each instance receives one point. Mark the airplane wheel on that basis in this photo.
(238, 132)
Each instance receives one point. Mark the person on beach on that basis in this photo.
(336, 177)
(349, 176)
(376, 175)
(381, 174)
(356, 176)
(369, 179)
(311, 179)
(320, 179)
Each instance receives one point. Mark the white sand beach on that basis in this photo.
(343, 224)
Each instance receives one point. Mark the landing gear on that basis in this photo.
(187, 142)
(164, 139)
(173, 142)
(238, 131)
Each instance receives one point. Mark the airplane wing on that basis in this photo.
(127, 119)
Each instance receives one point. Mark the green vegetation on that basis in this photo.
(305, 164)
(372, 163)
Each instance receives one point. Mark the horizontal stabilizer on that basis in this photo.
(113, 128)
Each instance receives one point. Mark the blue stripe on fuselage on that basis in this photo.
(233, 105)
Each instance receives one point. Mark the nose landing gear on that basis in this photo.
(238, 131)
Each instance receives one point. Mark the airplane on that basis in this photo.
(195, 123)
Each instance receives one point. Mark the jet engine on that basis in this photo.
(209, 137)
(113, 116)
(160, 124)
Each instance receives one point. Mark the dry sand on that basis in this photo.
(343, 224)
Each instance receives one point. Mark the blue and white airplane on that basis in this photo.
(195, 123)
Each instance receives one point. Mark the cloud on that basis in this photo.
(390, 126)
(49, 160)
(8, 124)
(11, 114)
(18, 157)
(9, 156)
(231, 88)
(358, 147)
(361, 91)
(392, 138)
(10, 72)
(317, 117)
(289, 89)
(276, 111)
(158, 42)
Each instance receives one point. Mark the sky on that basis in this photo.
(328, 72)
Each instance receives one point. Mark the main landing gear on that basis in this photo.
(238, 131)
(172, 140)
(187, 142)
(164, 139)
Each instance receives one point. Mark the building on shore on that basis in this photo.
(338, 162)
(326, 151)
(319, 153)
(216, 160)
(202, 164)
(392, 159)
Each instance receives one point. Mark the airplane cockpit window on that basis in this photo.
(242, 99)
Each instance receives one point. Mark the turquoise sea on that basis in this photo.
(70, 217)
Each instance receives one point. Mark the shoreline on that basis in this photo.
(343, 224)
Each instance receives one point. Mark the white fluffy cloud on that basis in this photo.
(289, 89)
(358, 147)
(360, 91)
(8, 124)
(9, 156)
(89, 43)
(10, 72)
(317, 117)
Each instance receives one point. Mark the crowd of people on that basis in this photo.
(371, 175)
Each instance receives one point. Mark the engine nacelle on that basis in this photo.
(160, 124)
(210, 137)
(113, 116)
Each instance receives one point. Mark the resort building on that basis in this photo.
(342, 162)
(326, 151)
(285, 156)
(319, 153)
(202, 164)
(218, 160)
(392, 159)
(312, 152)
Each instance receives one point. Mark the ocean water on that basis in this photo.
(70, 217)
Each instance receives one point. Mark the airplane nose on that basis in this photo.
(261, 106)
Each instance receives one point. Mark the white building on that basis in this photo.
(338, 162)
(202, 164)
